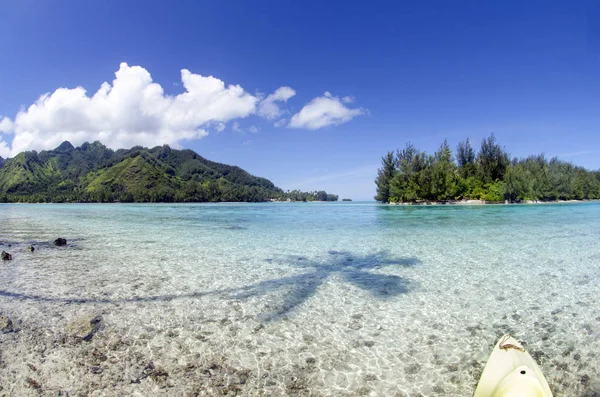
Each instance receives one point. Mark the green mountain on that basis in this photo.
(95, 173)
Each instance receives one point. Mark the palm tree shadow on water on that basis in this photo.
(297, 289)
(353, 269)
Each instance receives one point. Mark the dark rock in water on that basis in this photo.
(159, 376)
(412, 369)
(538, 356)
(6, 256)
(59, 242)
(31, 248)
(452, 368)
(34, 384)
(568, 351)
(84, 327)
(6, 324)
(96, 370)
(141, 372)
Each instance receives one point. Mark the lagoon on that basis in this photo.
(347, 299)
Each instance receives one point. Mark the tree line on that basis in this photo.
(210, 191)
(411, 175)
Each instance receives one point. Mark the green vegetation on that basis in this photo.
(297, 195)
(94, 173)
(410, 175)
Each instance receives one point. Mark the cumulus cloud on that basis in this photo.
(268, 107)
(324, 111)
(133, 110)
(4, 149)
(6, 125)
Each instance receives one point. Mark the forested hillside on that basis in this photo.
(410, 175)
(94, 173)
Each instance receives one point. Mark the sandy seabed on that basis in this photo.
(258, 314)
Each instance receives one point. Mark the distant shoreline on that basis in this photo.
(483, 202)
(175, 202)
(418, 203)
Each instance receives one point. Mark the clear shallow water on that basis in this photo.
(296, 299)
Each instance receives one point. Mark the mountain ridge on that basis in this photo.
(94, 173)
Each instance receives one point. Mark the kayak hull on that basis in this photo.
(510, 372)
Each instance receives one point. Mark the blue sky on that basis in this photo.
(395, 71)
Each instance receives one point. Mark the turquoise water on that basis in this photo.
(347, 299)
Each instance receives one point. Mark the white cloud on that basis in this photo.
(4, 149)
(269, 109)
(6, 125)
(236, 127)
(220, 127)
(348, 99)
(133, 110)
(322, 112)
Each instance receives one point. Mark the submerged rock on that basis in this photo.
(6, 256)
(84, 327)
(6, 324)
(32, 383)
(142, 371)
(96, 370)
(59, 242)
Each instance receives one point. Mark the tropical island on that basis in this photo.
(94, 173)
(490, 175)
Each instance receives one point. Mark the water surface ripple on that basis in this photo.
(285, 299)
